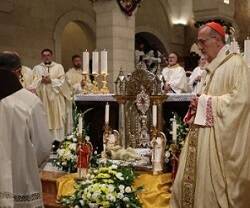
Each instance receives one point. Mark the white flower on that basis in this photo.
(119, 176)
(60, 152)
(64, 163)
(89, 195)
(128, 189)
(110, 197)
(74, 139)
(121, 187)
(93, 205)
(95, 152)
(81, 202)
(76, 206)
(167, 154)
(120, 195)
(111, 188)
(95, 195)
(114, 166)
(67, 155)
(72, 146)
(126, 199)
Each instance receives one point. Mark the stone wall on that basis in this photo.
(242, 19)
(27, 26)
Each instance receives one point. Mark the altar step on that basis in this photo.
(49, 187)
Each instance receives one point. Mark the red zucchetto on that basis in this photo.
(217, 27)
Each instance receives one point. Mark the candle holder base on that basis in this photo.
(95, 88)
(86, 84)
(104, 89)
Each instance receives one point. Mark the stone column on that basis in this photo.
(177, 40)
(115, 32)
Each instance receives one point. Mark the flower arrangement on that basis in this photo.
(108, 185)
(66, 158)
(66, 154)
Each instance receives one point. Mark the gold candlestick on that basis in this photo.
(106, 135)
(104, 89)
(84, 83)
(95, 88)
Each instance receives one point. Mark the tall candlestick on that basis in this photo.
(154, 112)
(247, 51)
(85, 62)
(95, 62)
(104, 62)
(80, 125)
(107, 114)
(174, 132)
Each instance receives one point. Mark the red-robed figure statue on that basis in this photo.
(84, 151)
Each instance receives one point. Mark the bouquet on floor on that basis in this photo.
(108, 185)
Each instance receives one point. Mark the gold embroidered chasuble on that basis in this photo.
(214, 168)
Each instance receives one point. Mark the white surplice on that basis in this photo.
(27, 77)
(195, 86)
(214, 168)
(176, 77)
(74, 77)
(25, 145)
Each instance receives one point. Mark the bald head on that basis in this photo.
(209, 42)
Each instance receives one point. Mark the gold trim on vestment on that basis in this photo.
(189, 177)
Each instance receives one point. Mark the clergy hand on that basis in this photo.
(198, 79)
(193, 103)
(167, 87)
(190, 115)
(46, 80)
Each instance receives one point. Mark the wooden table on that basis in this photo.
(49, 187)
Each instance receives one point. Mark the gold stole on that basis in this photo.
(189, 176)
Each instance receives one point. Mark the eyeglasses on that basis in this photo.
(203, 41)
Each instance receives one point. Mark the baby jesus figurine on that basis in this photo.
(84, 152)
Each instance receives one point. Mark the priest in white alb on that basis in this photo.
(25, 139)
(175, 76)
(214, 170)
(74, 75)
(49, 83)
(73, 79)
(198, 74)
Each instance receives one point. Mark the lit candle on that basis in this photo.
(174, 133)
(104, 62)
(247, 51)
(154, 112)
(85, 62)
(107, 114)
(80, 125)
(95, 62)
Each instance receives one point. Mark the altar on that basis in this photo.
(95, 119)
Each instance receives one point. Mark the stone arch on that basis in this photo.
(75, 16)
(155, 33)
